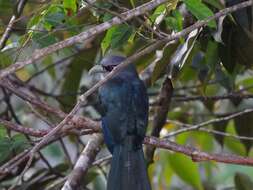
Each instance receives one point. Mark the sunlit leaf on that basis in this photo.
(186, 169)
(23, 74)
(200, 11)
(116, 37)
(47, 62)
(70, 6)
(175, 22)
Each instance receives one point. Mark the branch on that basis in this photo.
(114, 21)
(83, 163)
(196, 154)
(91, 32)
(160, 116)
(76, 120)
(7, 32)
(23, 130)
(209, 122)
(38, 54)
(234, 96)
(215, 132)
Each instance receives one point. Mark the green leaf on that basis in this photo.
(245, 83)
(211, 60)
(211, 56)
(53, 150)
(19, 142)
(53, 17)
(48, 61)
(105, 44)
(107, 16)
(158, 11)
(234, 145)
(186, 169)
(3, 131)
(91, 175)
(5, 148)
(35, 20)
(243, 182)
(70, 5)
(221, 127)
(175, 22)
(243, 125)
(43, 40)
(73, 75)
(200, 11)
(9, 146)
(182, 54)
(116, 37)
(163, 168)
(224, 78)
(5, 60)
(163, 61)
(215, 3)
(133, 3)
(203, 140)
(120, 35)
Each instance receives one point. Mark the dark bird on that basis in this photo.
(124, 103)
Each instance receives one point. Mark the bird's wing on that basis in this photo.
(115, 97)
(140, 105)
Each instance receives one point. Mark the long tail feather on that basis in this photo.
(128, 169)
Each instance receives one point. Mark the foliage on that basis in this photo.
(213, 61)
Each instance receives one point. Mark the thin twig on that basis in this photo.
(13, 20)
(185, 125)
(209, 122)
(38, 54)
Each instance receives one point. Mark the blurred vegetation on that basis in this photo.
(212, 62)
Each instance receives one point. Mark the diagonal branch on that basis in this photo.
(83, 163)
(114, 21)
(160, 116)
(198, 155)
(7, 32)
(38, 54)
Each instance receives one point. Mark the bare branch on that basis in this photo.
(7, 32)
(215, 132)
(197, 155)
(38, 54)
(160, 116)
(232, 96)
(209, 122)
(83, 163)
(23, 130)
(114, 21)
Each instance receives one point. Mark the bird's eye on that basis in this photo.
(108, 68)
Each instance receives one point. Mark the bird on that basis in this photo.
(124, 103)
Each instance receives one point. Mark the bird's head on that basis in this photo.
(107, 64)
(111, 61)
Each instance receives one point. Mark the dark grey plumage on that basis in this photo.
(125, 118)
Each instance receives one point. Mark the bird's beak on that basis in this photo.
(97, 69)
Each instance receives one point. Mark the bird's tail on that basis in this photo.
(128, 169)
